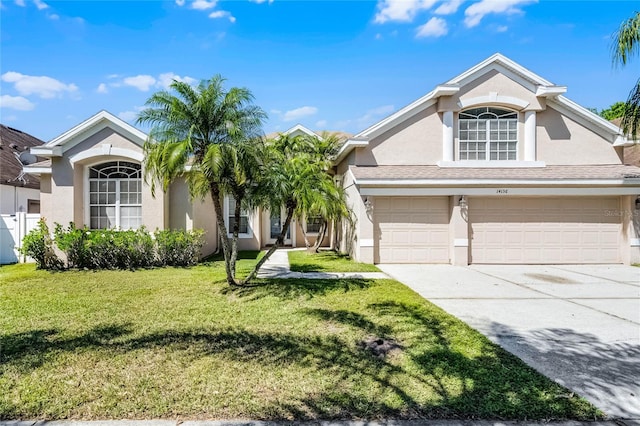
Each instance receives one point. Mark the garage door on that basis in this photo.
(545, 230)
(412, 229)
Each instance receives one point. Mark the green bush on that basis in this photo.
(178, 247)
(72, 241)
(113, 249)
(38, 245)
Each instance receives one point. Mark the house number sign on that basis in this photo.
(502, 191)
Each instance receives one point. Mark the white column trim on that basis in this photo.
(530, 136)
(447, 136)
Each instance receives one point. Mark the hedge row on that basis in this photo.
(111, 249)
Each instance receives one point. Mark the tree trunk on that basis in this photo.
(307, 244)
(222, 230)
(321, 234)
(279, 242)
(234, 240)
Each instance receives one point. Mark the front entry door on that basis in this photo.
(275, 227)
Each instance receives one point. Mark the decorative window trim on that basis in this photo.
(485, 144)
(249, 215)
(117, 205)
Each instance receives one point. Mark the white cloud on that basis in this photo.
(378, 36)
(43, 86)
(130, 115)
(20, 3)
(298, 113)
(16, 102)
(474, 13)
(10, 118)
(112, 76)
(320, 124)
(203, 4)
(40, 4)
(261, 1)
(53, 17)
(400, 10)
(180, 2)
(435, 27)
(502, 28)
(448, 7)
(102, 88)
(222, 14)
(165, 79)
(141, 82)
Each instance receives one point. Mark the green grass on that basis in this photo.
(178, 343)
(326, 261)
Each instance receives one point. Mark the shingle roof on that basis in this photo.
(551, 173)
(12, 141)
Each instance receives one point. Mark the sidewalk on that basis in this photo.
(278, 267)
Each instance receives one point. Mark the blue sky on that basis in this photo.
(340, 65)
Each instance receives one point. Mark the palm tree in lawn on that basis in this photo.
(208, 129)
(626, 44)
(296, 178)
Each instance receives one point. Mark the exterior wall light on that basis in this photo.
(368, 205)
(463, 202)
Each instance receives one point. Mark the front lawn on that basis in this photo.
(180, 344)
(326, 261)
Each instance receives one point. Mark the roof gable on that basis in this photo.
(528, 79)
(88, 128)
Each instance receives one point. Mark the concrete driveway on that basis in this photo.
(578, 325)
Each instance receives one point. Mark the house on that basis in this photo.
(93, 176)
(18, 192)
(495, 166)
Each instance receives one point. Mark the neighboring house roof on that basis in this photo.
(559, 174)
(12, 142)
(343, 136)
(498, 62)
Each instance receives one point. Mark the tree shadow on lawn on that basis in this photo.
(296, 288)
(430, 380)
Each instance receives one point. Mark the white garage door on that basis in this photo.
(412, 229)
(545, 230)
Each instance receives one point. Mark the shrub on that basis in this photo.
(178, 247)
(72, 241)
(111, 249)
(38, 245)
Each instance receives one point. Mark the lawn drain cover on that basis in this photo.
(380, 347)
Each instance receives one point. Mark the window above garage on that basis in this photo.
(488, 133)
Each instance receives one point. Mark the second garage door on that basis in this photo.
(412, 229)
(545, 230)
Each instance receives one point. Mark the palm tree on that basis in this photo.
(626, 44)
(296, 177)
(208, 129)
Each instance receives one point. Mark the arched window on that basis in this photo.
(115, 195)
(488, 133)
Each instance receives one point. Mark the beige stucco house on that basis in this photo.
(495, 166)
(94, 177)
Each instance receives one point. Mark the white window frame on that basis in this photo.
(249, 215)
(487, 130)
(306, 223)
(117, 205)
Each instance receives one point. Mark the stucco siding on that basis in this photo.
(416, 141)
(562, 141)
(104, 136)
(492, 82)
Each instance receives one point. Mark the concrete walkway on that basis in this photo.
(277, 266)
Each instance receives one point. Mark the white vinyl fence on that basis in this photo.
(13, 228)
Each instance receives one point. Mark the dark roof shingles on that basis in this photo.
(11, 141)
